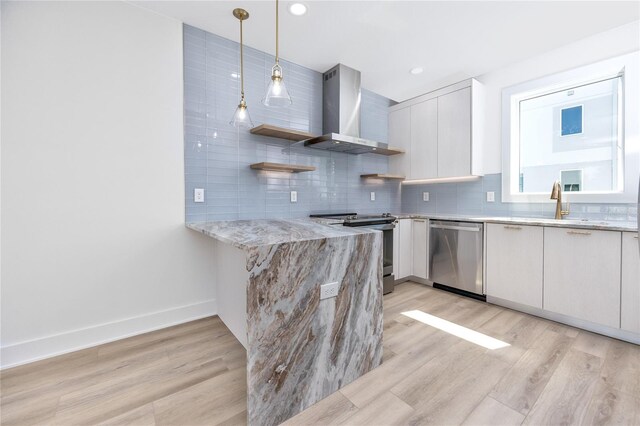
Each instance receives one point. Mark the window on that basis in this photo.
(571, 180)
(571, 118)
(571, 127)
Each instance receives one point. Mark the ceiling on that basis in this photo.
(451, 40)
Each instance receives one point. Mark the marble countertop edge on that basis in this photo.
(249, 234)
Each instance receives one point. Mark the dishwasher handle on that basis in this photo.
(456, 228)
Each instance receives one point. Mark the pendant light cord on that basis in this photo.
(241, 63)
(277, 26)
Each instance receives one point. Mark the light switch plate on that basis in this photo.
(373, 196)
(198, 195)
(294, 196)
(425, 196)
(491, 197)
(329, 290)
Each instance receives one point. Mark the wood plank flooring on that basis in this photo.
(194, 374)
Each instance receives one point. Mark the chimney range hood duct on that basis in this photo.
(341, 115)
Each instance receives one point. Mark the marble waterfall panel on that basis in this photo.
(300, 348)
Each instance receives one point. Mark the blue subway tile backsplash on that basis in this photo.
(469, 198)
(217, 155)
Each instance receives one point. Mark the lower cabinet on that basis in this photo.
(630, 308)
(396, 251)
(419, 242)
(582, 274)
(405, 248)
(514, 260)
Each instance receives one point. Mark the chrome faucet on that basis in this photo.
(556, 194)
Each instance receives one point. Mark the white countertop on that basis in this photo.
(562, 223)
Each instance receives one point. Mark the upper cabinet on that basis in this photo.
(424, 139)
(400, 137)
(440, 133)
(454, 133)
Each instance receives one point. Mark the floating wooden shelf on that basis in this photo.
(383, 176)
(388, 151)
(281, 133)
(281, 167)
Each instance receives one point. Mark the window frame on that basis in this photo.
(626, 66)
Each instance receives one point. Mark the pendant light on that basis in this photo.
(241, 117)
(277, 94)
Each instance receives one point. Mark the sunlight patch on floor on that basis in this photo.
(457, 330)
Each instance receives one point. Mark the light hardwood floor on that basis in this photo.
(194, 374)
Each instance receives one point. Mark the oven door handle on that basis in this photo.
(381, 227)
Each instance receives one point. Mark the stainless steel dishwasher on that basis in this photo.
(455, 256)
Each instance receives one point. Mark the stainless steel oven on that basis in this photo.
(387, 255)
(383, 222)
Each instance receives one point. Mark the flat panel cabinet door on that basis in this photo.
(405, 255)
(396, 251)
(514, 263)
(630, 309)
(454, 133)
(400, 137)
(419, 248)
(582, 274)
(424, 139)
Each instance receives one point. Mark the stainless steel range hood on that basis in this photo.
(341, 115)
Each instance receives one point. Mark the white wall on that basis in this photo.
(93, 242)
(601, 46)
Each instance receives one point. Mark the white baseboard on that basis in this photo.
(616, 333)
(58, 344)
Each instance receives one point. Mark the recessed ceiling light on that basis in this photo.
(297, 9)
(235, 75)
(416, 70)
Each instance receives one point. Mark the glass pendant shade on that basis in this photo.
(241, 117)
(277, 93)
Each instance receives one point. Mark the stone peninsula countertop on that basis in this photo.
(249, 234)
(301, 348)
(601, 225)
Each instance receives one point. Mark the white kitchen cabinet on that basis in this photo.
(582, 274)
(440, 131)
(630, 307)
(454, 133)
(405, 250)
(419, 235)
(400, 137)
(396, 251)
(424, 140)
(514, 259)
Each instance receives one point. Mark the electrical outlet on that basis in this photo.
(329, 290)
(198, 195)
(373, 196)
(294, 196)
(425, 196)
(491, 197)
